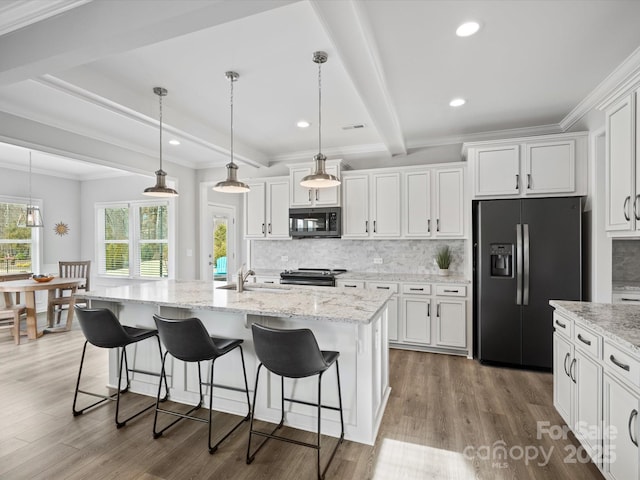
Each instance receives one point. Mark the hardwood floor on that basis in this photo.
(446, 419)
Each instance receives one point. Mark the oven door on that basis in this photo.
(314, 222)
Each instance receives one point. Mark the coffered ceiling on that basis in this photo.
(76, 76)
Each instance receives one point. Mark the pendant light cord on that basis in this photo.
(319, 107)
(231, 80)
(30, 202)
(160, 96)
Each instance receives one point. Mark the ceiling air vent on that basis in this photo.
(354, 126)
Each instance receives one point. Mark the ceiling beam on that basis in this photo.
(348, 28)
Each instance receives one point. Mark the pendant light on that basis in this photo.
(231, 184)
(160, 189)
(31, 217)
(320, 178)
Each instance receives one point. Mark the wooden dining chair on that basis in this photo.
(60, 302)
(10, 319)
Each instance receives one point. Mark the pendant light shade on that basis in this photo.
(31, 217)
(320, 178)
(160, 189)
(231, 184)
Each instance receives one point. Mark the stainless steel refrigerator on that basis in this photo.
(526, 252)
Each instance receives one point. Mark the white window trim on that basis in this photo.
(36, 232)
(134, 267)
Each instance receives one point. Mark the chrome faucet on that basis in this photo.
(242, 278)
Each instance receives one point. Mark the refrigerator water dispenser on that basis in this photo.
(501, 259)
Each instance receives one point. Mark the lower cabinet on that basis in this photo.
(451, 321)
(392, 307)
(416, 315)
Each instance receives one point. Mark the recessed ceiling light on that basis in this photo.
(467, 29)
(174, 142)
(303, 124)
(457, 102)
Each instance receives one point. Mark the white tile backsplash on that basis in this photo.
(398, 256)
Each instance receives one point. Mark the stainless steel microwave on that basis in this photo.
(315, 222)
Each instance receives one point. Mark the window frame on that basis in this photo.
(36, 232)
(134, 241)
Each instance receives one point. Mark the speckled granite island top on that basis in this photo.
(618, 322)
(304, 303)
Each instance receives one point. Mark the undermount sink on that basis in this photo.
(255, 287)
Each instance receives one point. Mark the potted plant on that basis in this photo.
(443, 259)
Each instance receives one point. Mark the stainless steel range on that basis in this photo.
(323, 277)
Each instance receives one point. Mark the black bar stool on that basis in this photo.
(102, 329)
(293, 354)
(188, 340)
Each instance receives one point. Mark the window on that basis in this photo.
(19, 246)
(135, 240)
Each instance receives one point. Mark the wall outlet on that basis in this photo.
(377, 261)
(284, 258)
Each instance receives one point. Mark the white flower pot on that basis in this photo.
(443, 271)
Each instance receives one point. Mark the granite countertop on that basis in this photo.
(618, 322)
(305, 303)
(383, 277)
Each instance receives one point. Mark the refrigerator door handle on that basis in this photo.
(525, 273)
(518, 264)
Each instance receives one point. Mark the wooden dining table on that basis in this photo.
(29, 287)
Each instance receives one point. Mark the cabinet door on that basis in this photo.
(497, 170)
(562, 381)
(328, 197)
(550, 167)
(588, 393)
(355, 209)
(416, 315)
(619, 185)
(417, 204)
(449, 202)
(385, 203)
(278, 209)
(254, 216)
(451, 323)
(392, 307)
(300, 196)
(620, 423)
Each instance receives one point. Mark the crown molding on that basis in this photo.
(17, 14)
(337, 152)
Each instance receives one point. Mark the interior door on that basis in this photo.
(498, 314)
(555, 270)
(221, 244)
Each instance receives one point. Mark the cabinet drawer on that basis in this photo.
(416, 289)
(563, 325)
(350, 283)
(451, 290)
(587, 340)
(267, 280)
(622, 363)
(392, 287)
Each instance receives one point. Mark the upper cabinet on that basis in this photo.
(310, 197)
(622, 186)
(548, 165)
(267, 209)
(433, 203)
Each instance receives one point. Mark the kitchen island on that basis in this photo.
(351, 322)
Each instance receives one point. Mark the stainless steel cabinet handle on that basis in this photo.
(625, 299)
(416, 289)
(619, 364)
(517, 181)
(566, 370)
(350, 286)
(374, 227)
(263, 228)
(438, 311)
(366, 226)
(309, 195)
(528, 181)
(269, 227)
(450, 291)
(560, 324)
(584, 340)
(269, 281)
(437, 224)
(634, 413)
(571, 375)
(428, 225)
(635, 212)
(382, 288)
(428, 310)
(317, 195)
(624, 208)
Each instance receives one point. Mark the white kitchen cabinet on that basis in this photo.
(312, 197)
(547, 165)
(451, 322)
(267, 209)
(587, 406)
(620, 421)
(621, 166)
(563, 393)
(417, 214)
(449, 192)
(350, 283)
(371, 205)
(392, 307)
(416, 317)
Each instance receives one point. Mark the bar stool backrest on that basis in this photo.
(101, 327)
(289, 353)
(186, 339)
